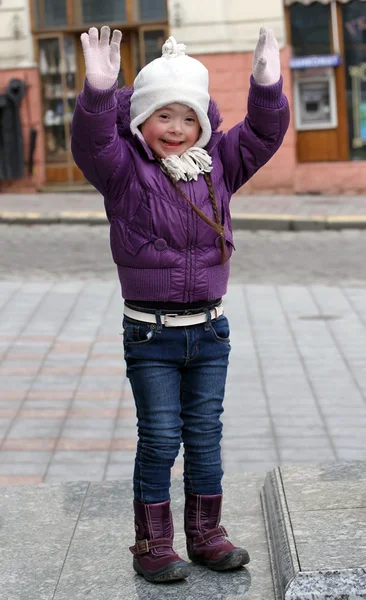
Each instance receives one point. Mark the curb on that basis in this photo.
(66, 217)
(245, 221)
(287, 222)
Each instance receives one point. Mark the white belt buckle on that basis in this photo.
(167, 317)
(180, 318)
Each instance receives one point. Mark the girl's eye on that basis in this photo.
(190, 119)
(164, 116)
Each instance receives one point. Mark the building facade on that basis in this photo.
(323, 59)
(56, 29)
(223, 35)
(327, 58)
(17, 63)
(323, 56)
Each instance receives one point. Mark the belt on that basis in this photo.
(174, 320)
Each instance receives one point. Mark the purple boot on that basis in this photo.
(206, 538)
(153, 554)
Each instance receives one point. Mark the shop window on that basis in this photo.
(50, 13)
(152, 42)
(354, 28)
(152, 10)
(97, 11)
(310, 29)
(57, 65)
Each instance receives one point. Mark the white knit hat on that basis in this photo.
(174, 77)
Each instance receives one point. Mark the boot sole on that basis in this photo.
(232, 560)
(174, 572)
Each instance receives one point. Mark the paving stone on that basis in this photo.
(19, 468)
(125, 456)
(78, 433)
(37, 524)
(74, 472)
(24, 457)
(118, 471)
(42, 404)
(68, 457)
(33, 428)
(351, 453)
(306, 455)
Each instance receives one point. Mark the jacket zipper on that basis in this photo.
(190, 250)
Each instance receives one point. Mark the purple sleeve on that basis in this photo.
(98, 150)
(249, 145)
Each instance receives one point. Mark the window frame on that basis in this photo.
(143, 30)
(74, 21)
(136, 10)
(307, 7)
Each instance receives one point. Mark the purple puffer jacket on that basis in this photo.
(163, 250)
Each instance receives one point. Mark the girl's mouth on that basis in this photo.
(171, 144)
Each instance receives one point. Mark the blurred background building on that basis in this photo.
(323, 53)
(19, 75)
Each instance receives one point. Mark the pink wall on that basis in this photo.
(229, 85)
(29, 119)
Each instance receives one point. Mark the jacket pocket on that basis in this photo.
(128, 239)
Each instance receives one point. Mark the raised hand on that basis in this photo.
(102, 59)
(266, 59)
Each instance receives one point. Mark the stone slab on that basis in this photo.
(70, 542)
(37, 524)
(316, 526)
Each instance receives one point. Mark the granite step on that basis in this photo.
(70, 542)
(316, 526)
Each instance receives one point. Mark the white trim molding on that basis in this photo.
(307, 2)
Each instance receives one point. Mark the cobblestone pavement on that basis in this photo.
(68, 252)
(296, 388)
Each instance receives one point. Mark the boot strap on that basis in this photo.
(144, 546)
(210, 535)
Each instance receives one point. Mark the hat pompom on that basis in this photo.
(172, 49)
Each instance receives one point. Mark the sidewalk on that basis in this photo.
(296, 391)
(294, 213)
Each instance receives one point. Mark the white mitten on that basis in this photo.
(266, 59)
(102, 60)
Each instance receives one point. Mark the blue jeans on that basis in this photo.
(178, 376)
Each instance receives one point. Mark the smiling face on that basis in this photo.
(171, 130)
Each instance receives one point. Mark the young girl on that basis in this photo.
(167, 174)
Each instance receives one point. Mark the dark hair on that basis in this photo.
(217, 226)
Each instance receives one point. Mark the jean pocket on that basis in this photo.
(220, 329)
(136, 333)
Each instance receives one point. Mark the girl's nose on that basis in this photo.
(176, 126)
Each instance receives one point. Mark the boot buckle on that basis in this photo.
(142, 547)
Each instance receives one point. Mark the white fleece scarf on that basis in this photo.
(189, 165)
